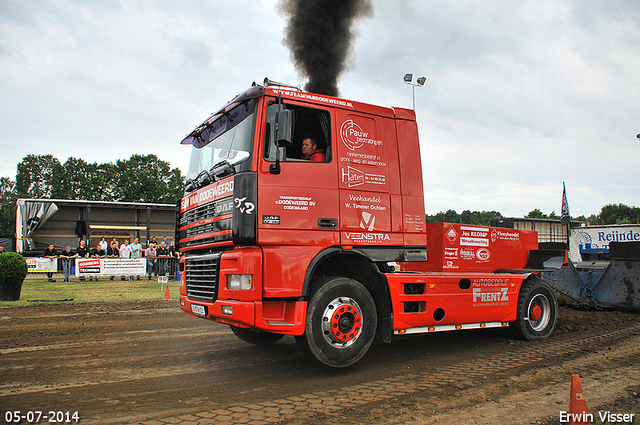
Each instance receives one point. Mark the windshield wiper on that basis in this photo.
(190, 186)
(222, 169)
(219, 171)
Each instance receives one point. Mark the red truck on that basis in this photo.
(337, 251)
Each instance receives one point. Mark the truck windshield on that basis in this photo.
(225, 137)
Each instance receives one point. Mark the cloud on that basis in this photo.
(520, 96)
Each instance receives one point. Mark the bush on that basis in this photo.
(13, 268)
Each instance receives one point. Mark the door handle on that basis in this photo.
(327, 223)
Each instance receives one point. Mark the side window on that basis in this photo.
(311, 135)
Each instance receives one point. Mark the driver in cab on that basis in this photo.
(310, 150)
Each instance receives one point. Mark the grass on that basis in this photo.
(107, 291)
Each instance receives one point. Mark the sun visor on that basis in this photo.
(225, 119)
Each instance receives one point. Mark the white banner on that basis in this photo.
(584, 239)
(41, 265)
(91, 267)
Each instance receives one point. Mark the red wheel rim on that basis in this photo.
(342, 322)
(536, 313)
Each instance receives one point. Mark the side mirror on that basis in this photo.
(284, 128)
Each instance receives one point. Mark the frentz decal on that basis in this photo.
(490, 291)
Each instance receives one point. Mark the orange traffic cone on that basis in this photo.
(578, 414)
(167, 296)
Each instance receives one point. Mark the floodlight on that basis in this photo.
(408, 79)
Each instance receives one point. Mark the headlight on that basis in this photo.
(239, 282)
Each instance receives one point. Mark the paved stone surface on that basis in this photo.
(335, 400)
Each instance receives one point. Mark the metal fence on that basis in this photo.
(159, 266)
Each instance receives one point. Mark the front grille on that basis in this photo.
(209, 231)
(210, 210)
(202, 273)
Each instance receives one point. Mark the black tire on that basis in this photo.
(255, 337)
(537, 311)
(341, 322)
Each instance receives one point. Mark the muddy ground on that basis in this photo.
(148, 363)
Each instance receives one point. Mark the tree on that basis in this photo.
(138, 179)
(592, 219)
(477, 218)
(536, 214)
(7, 207)
(92, 182)
(39, 176)
(147, 179)
(612, 214)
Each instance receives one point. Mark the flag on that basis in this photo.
(565, 218)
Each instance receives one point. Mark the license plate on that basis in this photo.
(198, 310)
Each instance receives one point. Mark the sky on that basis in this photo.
(520, 96)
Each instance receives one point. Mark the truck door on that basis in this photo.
(298, 205)
(365, 180)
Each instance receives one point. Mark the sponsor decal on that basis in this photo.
(313, 97)
(354, 137)
(504, 235)
(451, 235)
(416, 221)
(244, 206)
(365, 202)
(363, 159)
(490, 296)
(474, 231)
(354, 177)
(271, 219)
(490, 281)
(474, 236)
(367, 237)
(467, 254)
(483, 254)
(490, 291)
(300, 203)
(451, 253)
(207, 194)
(449, 264)
(367, 221)
(474, 241)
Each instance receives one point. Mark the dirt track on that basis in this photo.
(148, 363)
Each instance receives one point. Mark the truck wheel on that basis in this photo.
(255, 337)
(341, 322)
(537, 311)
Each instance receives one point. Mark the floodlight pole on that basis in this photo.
(408, 79)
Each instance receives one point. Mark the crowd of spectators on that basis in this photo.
(161, 258)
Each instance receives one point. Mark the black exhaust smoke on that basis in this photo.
(319, 36)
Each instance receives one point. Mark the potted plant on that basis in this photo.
(13, 270)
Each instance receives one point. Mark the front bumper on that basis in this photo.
(284, 317)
